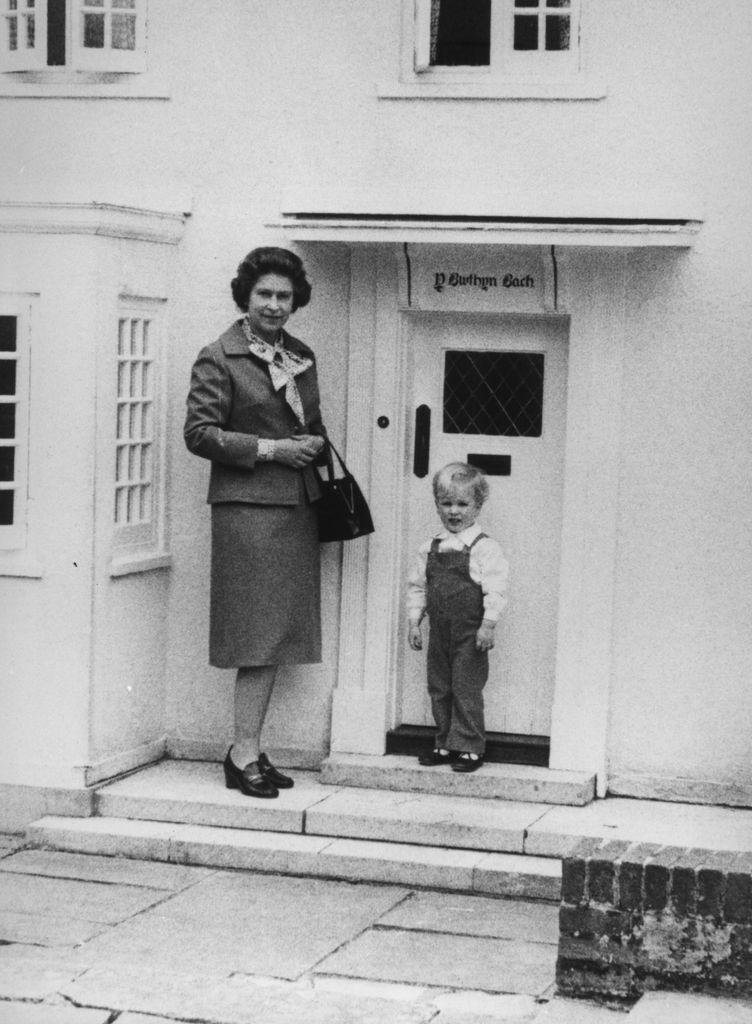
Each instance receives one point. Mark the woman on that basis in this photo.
(253, 410)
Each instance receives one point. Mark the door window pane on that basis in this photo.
(493, 393)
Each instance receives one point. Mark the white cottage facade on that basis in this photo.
(551, 197)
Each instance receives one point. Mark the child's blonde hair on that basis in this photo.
(460, 474)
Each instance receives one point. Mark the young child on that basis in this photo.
(459, 580)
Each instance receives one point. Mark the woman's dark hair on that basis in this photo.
(271, 260)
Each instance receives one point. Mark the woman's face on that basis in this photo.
(270, 305)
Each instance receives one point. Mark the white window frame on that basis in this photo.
(505, 61)
(13, 536)
(512, 74)
(79, 59)
(138, 436)
(24, 57)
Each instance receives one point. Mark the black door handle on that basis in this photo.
(422, 449)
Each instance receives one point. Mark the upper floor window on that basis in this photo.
(467, 39)
(77, 35)
(14, 393)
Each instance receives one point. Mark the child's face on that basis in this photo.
(457, 508)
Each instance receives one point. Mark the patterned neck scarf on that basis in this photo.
(284, 367)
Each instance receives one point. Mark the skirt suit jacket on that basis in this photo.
(265, 589)
(231, 404)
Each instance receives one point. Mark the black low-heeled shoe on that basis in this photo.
(249, 780)
(270, 772)
(436, 758)
(467, 762)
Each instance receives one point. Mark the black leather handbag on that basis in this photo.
(342, 510)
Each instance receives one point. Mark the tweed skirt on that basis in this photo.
(265, 585)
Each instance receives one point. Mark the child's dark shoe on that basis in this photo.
(467, 762)
(436, 757)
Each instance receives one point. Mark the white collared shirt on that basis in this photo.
(488, 566)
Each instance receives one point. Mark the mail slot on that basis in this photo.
(492, 465)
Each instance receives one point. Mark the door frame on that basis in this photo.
(590, 289)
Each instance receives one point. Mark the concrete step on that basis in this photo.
(468, 871)
(517, 782)
(187, 792)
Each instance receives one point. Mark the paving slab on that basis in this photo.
(475, 915)
(452, 961)
(462, 822)
(560, 829)
(524, 783)
(34, 973)
(272, 925)
(104, 903)
(683, 1008)
(45, 930)
(43, 1013)
(194, 792)
(481, 1008)
(580, 1011)
(234, 1000)
(92, 868)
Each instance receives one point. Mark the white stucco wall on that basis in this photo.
(264, 97)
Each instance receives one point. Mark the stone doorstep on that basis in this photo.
(494, 874)
(194, 793)
(521, 783)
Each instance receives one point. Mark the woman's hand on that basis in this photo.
(298, 451)
(414, 636)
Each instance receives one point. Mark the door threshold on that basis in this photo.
(501, 747)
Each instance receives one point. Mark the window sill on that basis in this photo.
(20, 563)
(81, 86)
(578, 88)
(129, 565)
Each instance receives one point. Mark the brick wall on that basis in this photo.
(636, 917)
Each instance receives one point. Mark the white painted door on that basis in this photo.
(495, 390)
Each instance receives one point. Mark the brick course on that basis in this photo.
(640, 916)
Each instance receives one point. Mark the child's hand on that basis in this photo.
(484, 638)
(415, 637)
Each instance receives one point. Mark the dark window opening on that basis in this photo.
(7, 421)
(7, 334)
(494, 393)
(7, 464)
(461, 32)
(56, 33)
(6, 508)
(7, 376)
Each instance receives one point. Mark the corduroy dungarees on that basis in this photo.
(457, 670)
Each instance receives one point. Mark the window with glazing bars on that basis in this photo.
(496, 37)
(9, 426)
(493, 393)
(81, 35)
(134, 474)
(542, 24)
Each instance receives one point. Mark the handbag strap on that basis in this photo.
(330, 469)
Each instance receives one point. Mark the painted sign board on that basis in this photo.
(472, 279)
